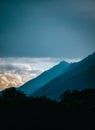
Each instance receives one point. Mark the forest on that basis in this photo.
(75, 109)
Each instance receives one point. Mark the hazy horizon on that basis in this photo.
(17, 71)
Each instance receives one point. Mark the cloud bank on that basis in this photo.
(16, 71)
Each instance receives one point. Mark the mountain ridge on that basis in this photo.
(80, 75)
(34, 84)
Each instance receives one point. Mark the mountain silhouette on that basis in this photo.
(34, 84)
(78, 76)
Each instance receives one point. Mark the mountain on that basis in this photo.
(34, 84)
(79, 75)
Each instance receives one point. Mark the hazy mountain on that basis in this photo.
(79, 75)
(34, 84)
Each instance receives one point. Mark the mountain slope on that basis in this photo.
(79, 76)
(34, 84)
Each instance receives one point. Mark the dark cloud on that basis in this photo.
(42, 28)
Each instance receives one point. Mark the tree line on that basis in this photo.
(75, 108)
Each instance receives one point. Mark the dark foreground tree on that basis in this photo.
(12, 93)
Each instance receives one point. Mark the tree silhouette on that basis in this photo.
(42, 111)
(12, 93)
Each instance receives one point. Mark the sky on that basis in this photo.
(45, 31)
(47, 28)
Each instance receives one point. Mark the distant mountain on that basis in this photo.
(79, 75)
(35, 84)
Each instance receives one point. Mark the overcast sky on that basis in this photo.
(47, 28)
(37, 34)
